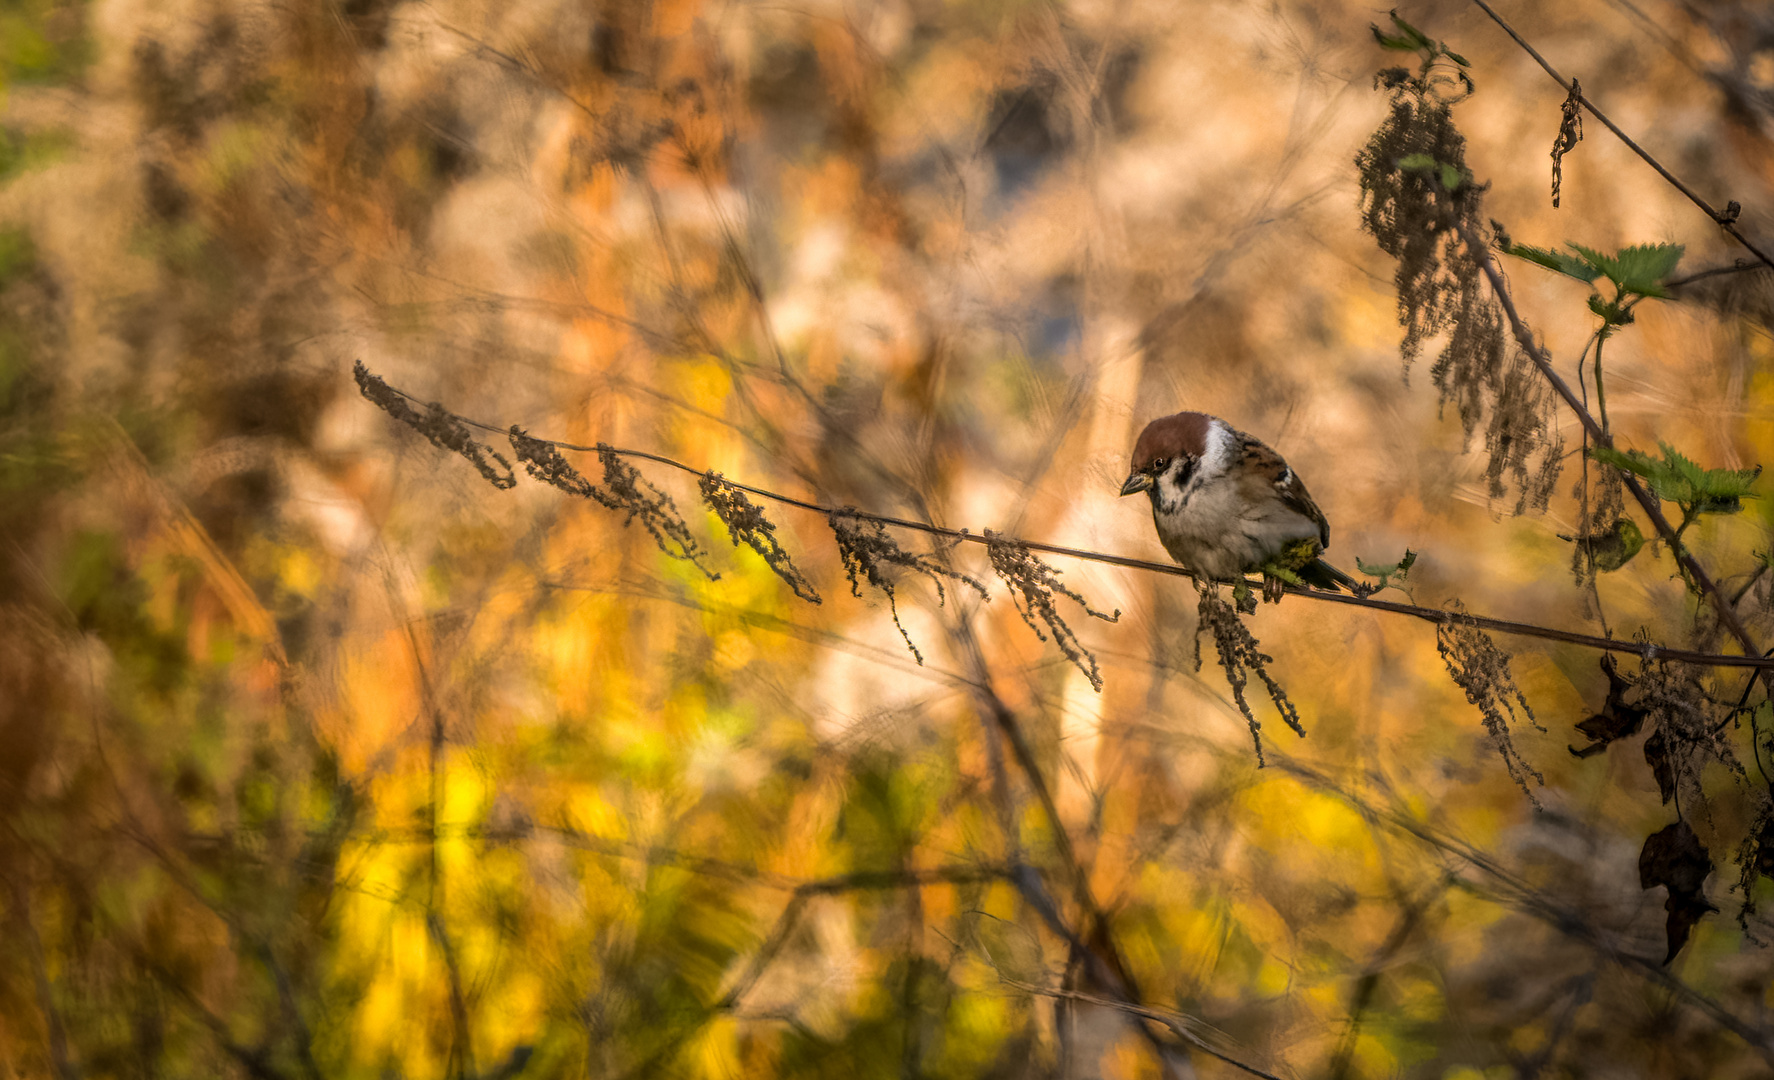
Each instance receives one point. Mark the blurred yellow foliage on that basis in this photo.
(319, 757)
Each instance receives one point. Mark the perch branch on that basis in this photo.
(1438, 616)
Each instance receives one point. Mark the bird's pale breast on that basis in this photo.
(1223, 532)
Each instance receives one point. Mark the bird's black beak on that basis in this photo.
(1137, 483)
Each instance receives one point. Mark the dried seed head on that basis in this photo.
(622, 490)
(866, 548)
(1570, 133)
(657, 513)
(1419, 201)
(1482, 670)
(1241, 657)
(544, 462)
(747, 524)
(1755, 858)
(445, 429)
(1033, 585)
(1685, 735)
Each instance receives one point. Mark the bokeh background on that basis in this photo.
(321, 757)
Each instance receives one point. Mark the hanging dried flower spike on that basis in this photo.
(1241, 657)
(1482, 671)
(1033, 586)
(747, 524)
(444, 428)
(866, 548)
(622, 490)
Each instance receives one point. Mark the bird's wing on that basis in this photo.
(1265, 467)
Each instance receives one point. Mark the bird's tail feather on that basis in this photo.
(1322, 575)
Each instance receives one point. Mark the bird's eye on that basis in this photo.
(1159, 464)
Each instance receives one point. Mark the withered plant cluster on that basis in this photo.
(622, 490)
(1421, 203)
(868, 552)
(867, 549)
(624, 484)
(1685, 734)
(1481, 670)
(1755, 859)
(1240, 656)
(1033, 587)
(445, 429)
(746, 524)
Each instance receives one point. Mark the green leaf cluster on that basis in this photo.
(1636, 272)
(1410, 39)
(1556, 261)
(1678, 479)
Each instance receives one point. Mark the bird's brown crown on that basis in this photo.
(1170, 437)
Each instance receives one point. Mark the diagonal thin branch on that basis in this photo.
(254, 1061)
(1178, 1023)
(862, 880)
(1648, 502)
(859, 881)
(1096, 948)
(1726, 218)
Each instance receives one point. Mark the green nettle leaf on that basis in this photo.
(1636, 462)
(1387, 41)
(1416, 163)
(1451, 178)
(1455, 57)
(1637, 269)
(1557, 261)
(1643, 267)
(1678, 479)
(1418, 39)
(1718, 491)
(1603, 264)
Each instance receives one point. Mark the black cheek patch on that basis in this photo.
(1184, 474)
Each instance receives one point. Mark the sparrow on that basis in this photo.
(1226, 505)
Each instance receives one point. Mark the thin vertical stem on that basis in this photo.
(1601, 393)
